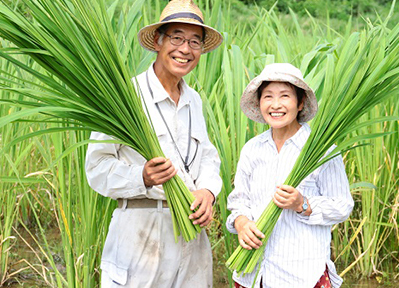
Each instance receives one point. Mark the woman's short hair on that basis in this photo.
(300, 93)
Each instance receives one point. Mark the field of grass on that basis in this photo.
(53, 226)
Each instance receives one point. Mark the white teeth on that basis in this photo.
(277, 114)
(180, 60)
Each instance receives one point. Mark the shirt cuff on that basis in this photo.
(316, 217)
(138, 182)
(232, 218)
(212, 186)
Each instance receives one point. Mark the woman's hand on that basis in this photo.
(248, 233)
(287, 197)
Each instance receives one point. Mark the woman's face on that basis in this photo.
(279, 105)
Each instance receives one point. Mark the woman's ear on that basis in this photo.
(300, 106)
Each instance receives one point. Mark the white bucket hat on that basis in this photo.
(180, 11)
(278, 72)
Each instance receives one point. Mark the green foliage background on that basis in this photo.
(340, 9)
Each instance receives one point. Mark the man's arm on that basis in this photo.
(112, 177)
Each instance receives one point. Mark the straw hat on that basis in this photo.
(180, 11)
(278, 72)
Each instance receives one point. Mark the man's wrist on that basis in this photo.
(213, 195)
(210, 192)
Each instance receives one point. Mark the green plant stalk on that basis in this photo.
(14, 162)
(377, 202)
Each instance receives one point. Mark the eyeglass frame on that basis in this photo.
(184, 40)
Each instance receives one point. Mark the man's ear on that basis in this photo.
(156, 45)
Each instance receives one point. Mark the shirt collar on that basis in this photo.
(266, 136)
(299, 139)
(301, 136)
(159, 91)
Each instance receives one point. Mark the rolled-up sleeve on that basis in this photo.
(239, 199)
(335, 202)
(111, 176)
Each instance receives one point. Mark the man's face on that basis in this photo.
(178, 61)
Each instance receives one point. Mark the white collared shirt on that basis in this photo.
(115, 170)
(298, 249)
(140, 248)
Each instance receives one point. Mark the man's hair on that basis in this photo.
(300, 93)
(162, 31)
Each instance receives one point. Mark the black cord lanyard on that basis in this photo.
(185, 161)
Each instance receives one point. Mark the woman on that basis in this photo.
(297, 253)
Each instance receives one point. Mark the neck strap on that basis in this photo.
(185, 160)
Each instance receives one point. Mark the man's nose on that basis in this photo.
(185, 47)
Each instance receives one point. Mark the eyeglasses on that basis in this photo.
(179, 40)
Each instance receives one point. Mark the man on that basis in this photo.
(140, 249)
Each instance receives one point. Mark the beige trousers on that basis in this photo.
(141, 252)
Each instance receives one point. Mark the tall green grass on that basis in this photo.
(8, 195)
(15, 164)
(61, 196)
(376, 164)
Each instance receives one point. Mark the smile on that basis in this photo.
(181, 60)
(277, 114)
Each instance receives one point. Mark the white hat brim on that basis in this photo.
(250, 102)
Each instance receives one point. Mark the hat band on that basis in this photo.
(183, 15)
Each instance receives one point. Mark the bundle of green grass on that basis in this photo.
(87, 83)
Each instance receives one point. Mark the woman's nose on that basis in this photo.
(276, 103)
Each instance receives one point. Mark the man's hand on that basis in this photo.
(248, 233)
(157, 171)
(287, 197)
(203, 200)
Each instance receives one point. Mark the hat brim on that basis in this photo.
(250, 103)
(212, 40)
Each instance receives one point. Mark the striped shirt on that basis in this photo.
(299, 247)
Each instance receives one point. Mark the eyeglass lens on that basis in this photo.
(179, 40)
